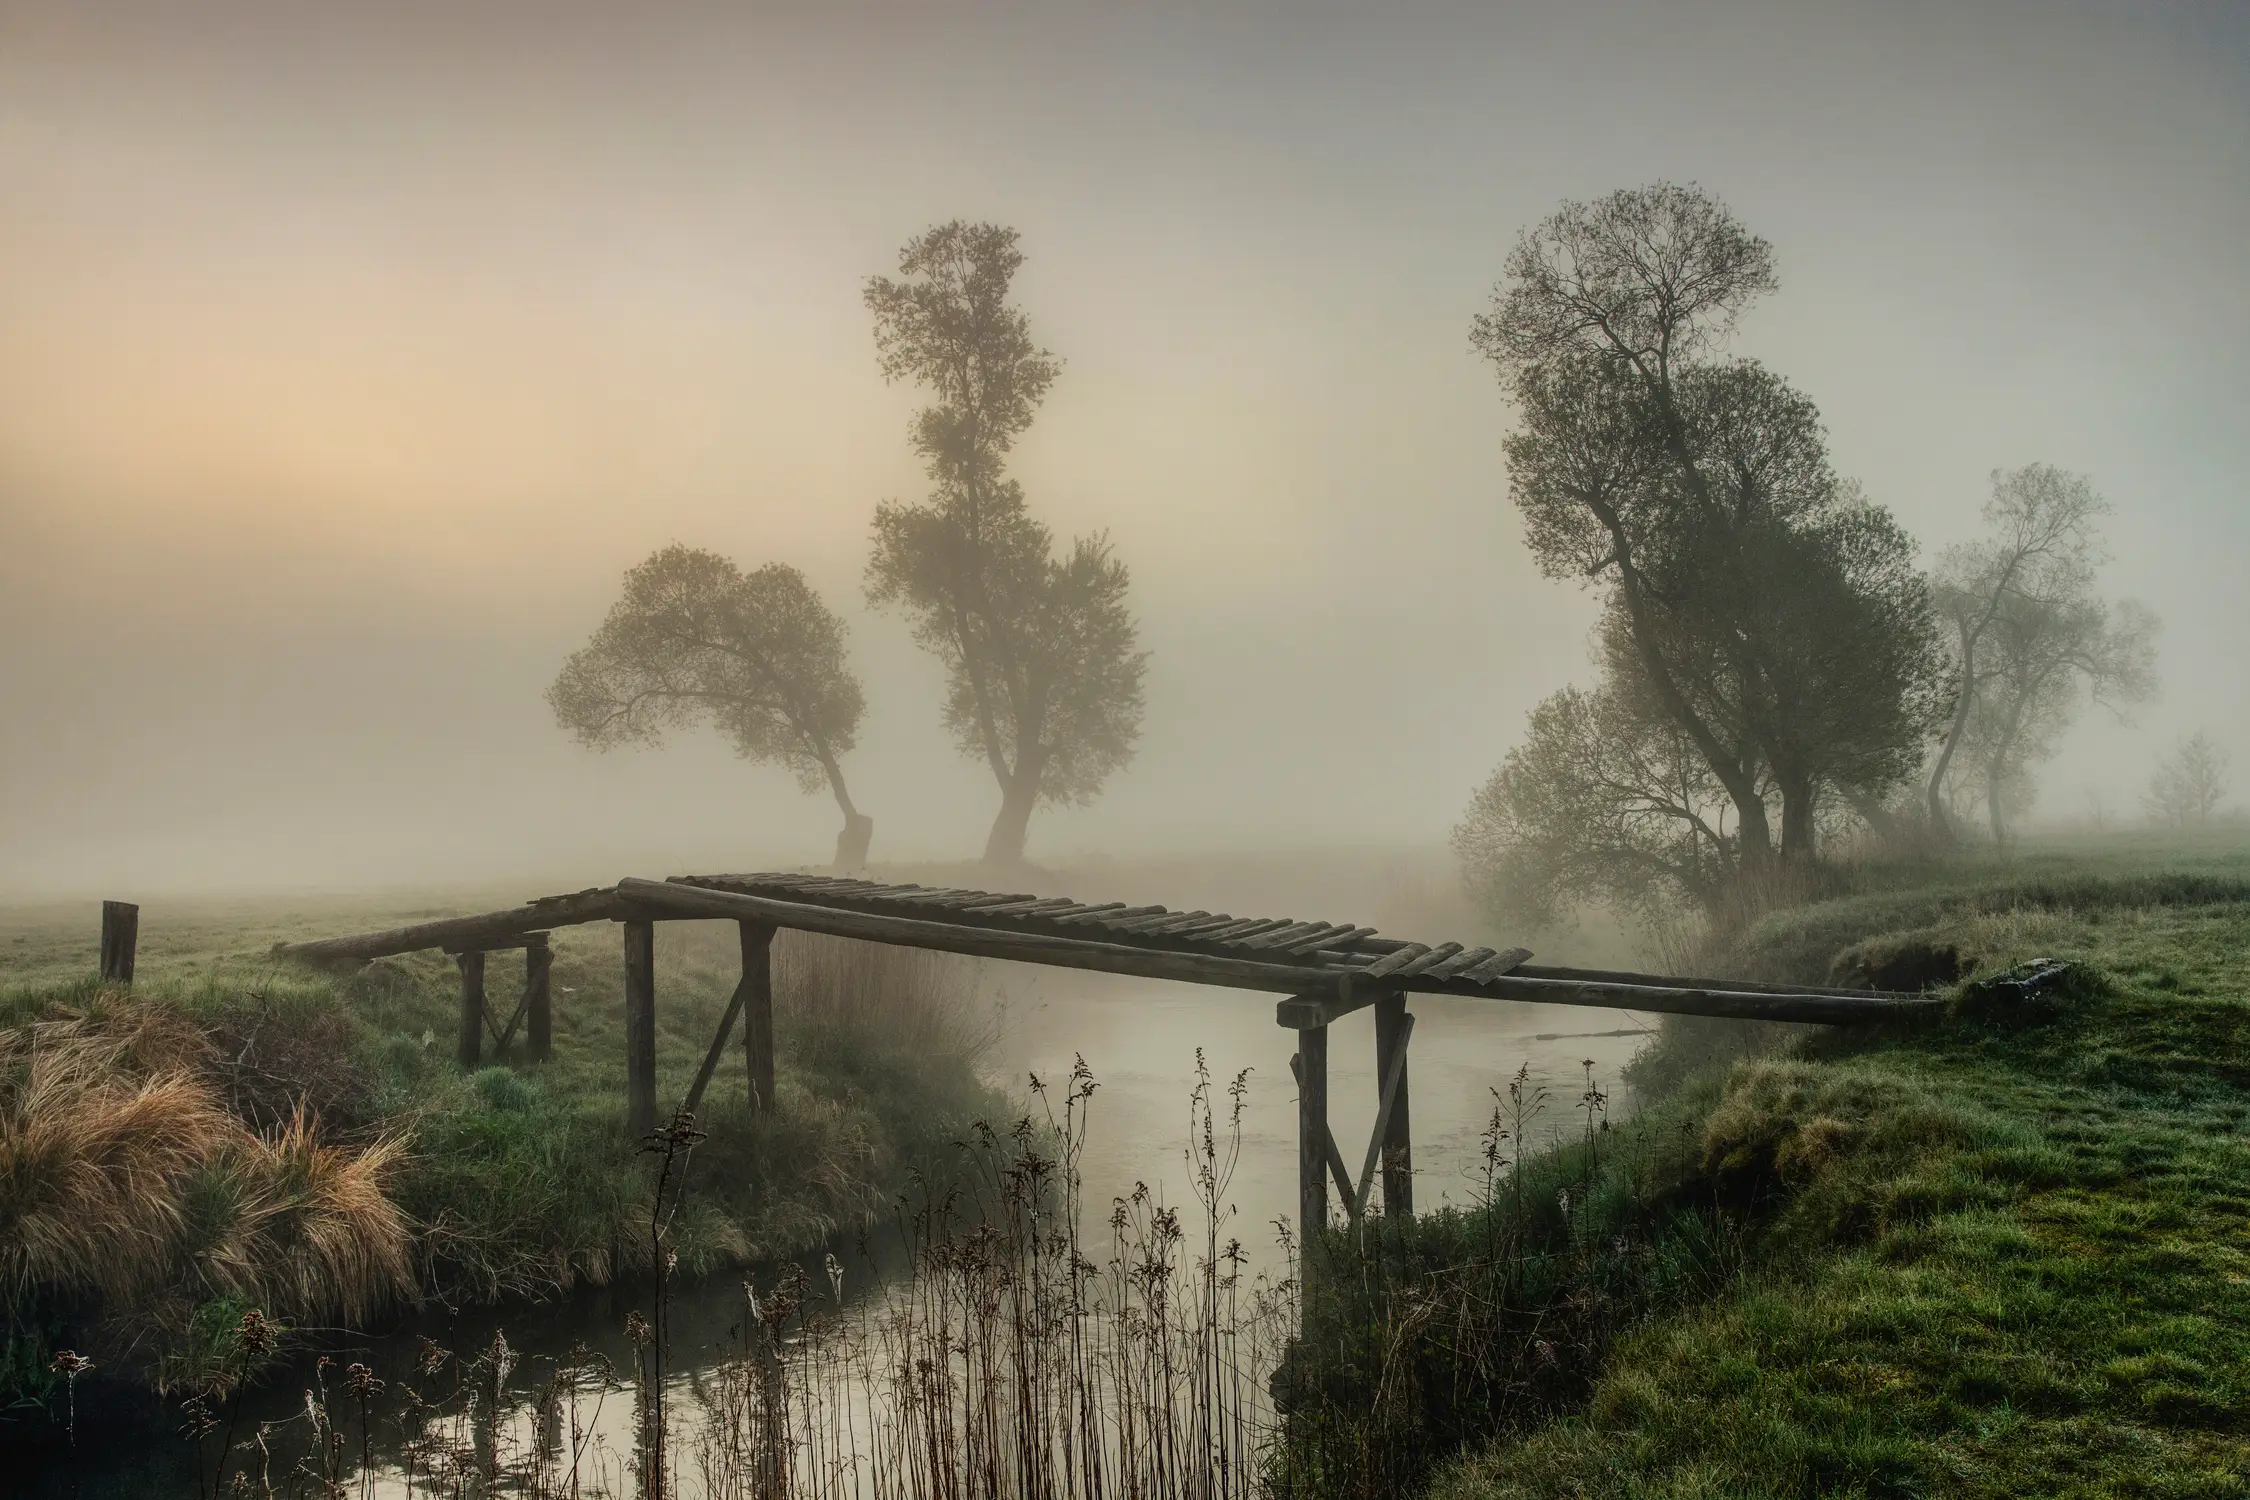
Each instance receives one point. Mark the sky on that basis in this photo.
(350, 354)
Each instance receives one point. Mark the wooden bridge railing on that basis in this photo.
(1323, 970)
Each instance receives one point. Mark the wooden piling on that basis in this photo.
(757, 1011)
(1312, 1141)
(640, 1027)
(471, 1036)
(538, 983)
(121, 934)
(1391, 1033)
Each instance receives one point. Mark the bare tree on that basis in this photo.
(694, 640)
(2041, 660)
(1043, 674)
(2043, 549)
(2189, 784)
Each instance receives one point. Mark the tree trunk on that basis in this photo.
(859, 829)
(1753, 833)
(851, 844)
(1004, 846)
(1800, 832)
(1940, 824)
(1992, 809)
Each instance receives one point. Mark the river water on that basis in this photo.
(1139, 1038)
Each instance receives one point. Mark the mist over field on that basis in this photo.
(348, 357)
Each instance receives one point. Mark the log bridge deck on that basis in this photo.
(1323, 969)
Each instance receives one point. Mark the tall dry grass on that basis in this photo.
(95, 1159)
(129, 1194)
(838, 997)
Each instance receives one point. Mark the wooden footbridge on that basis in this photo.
(1323, 969)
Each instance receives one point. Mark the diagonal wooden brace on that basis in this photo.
(1391, 1076)
(718, 1046)
(508, 1033)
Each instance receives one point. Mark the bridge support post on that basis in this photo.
(757, 1012)
(1392, 1028)
(1312, 1146)
(538, 985)
(469, 1044)
(640, 1027)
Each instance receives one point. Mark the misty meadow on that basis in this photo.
(944, 753)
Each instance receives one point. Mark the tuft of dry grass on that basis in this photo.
(127, 1187)
(93, 1160)
(307, 1228)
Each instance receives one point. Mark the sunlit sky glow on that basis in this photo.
(349, 354)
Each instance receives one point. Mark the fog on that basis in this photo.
(349, 354)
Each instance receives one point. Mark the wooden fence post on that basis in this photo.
(640, 1027)
(1391, 1032)
(757, 1012)
(121, 934)
(471, 1043)
(538, 981)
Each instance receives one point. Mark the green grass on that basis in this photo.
(520, 1179)
(2008, 1255)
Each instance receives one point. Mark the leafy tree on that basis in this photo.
(694, 640)
(1605, 802)
(1043, 678)
(2189, 784)
(1772, 614)
(2032, 576)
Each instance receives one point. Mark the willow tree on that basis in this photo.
(1771, 613)
(1043, 678)
(693, 640)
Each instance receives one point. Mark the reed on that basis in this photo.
(1025, 1356)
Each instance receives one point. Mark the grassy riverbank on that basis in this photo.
(321, 1157)
(2004, 1255)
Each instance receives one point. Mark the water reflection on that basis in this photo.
(551, 1387)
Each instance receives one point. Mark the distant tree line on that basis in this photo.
(1773, 667)
(1043, 671)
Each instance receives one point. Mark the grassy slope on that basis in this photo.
(520, 1179)
(2017, 1262)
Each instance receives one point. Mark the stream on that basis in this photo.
(1138, 1037)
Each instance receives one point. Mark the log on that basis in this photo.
(1288, 934)
(1339, 941)
(121, 939)
(640, 1027)
(1396, 959)
(458, 932)
(1460, 963)
(1319, 993)
(1506, 960)
(1734, 986)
